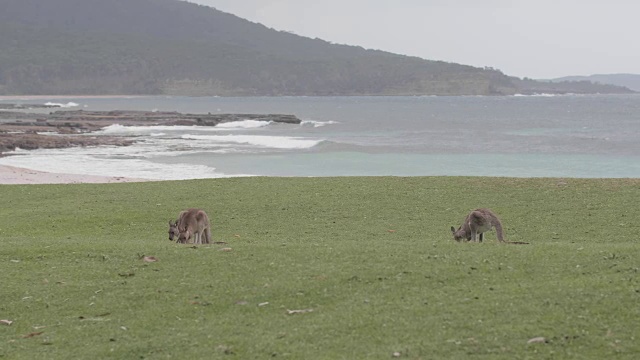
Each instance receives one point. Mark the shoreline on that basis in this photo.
(11, 175)
(46, 97)
(30, 131)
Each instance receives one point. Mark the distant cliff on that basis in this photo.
(179, 48)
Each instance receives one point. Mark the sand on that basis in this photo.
(16, 175)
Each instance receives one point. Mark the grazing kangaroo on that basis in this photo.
(194, 223)
(476, 224)
(173, 227)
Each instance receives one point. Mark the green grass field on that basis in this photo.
(369, 261)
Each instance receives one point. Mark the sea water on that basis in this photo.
(592, 136)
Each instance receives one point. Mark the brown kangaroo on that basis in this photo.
(173, 227)
(193, 223)
(476, 224)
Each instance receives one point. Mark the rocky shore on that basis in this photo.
(61, 129)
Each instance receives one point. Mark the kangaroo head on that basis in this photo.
(460, 234)
(173, 230)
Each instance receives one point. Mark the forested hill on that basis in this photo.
(179, 48)
(631, 81)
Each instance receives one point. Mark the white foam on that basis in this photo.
(117, 129)
(163, 147)
(163, 143)
(121, 130)
(67, 105)
(317, 123)
(535, 95)
(83, 161)
(274, 142)
(244, 124)
(48, 133)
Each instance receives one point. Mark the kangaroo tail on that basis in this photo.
(499, 230)
(207, 235)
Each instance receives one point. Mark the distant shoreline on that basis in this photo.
(42, 97)
(54, 97)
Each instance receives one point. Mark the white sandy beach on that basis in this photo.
(16, 175)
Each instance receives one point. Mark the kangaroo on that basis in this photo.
(476, 224)
(173, 227)
(194, 223)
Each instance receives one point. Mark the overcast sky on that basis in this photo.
(526, 38)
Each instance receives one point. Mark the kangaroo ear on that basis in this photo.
(453, 230)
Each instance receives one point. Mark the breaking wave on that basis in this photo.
(114, 161)
(273, 142)
(162, 152)
(67, 105)
(121, 130)
(244, 124)
(317, 123)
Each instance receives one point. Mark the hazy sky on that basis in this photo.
(525, 38)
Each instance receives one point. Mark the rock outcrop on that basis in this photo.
(60, 129)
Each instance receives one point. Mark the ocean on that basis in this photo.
(579, 136)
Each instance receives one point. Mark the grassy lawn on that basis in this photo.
(369, 262)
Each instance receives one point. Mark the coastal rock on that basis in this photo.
(82, 117)
(28, 141)
(25, 130)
